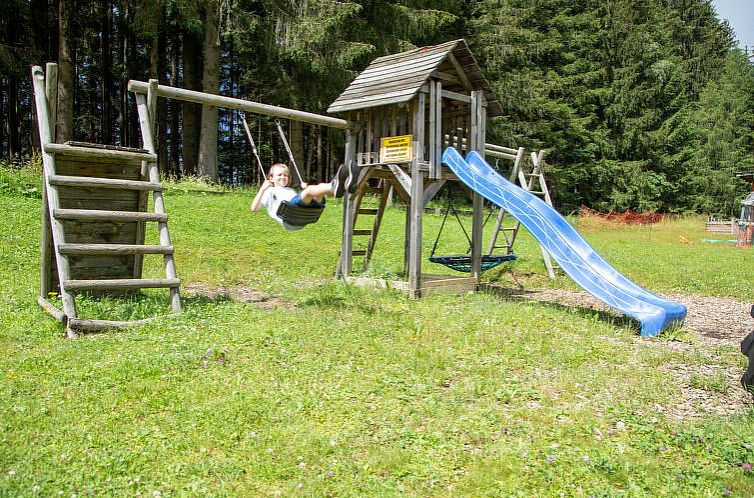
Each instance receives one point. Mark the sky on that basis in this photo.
(740, 15)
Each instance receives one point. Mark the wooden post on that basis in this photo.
(435, 133)
(53, 200)
(51, 89)
(141, 227)
(346, 249)
(45, 253)
(478, 118)
(159, 203)
(417, 200)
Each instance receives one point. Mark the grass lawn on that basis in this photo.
(325, 389)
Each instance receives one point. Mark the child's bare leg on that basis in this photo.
(316, 192)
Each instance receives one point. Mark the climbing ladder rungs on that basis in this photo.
(362, 231)
(360, 252)
(86, 181)
(101, 215)
(121, 283)
(117, 249)
(373, 190)
(372, 211)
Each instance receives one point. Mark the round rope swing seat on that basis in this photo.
(462, 263)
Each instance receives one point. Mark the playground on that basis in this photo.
(252, 361)
(273, 365)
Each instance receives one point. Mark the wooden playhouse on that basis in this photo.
(406, 108)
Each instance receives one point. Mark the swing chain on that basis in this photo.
(288, 150)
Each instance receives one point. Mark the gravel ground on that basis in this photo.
(711, 323)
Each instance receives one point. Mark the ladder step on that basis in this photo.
(368, 211)
(359, 252)
(86, 181)
(121, 283)
(372, 190)
(86, 150)
(80, 324)
(536, 192)
(362, 231)
(99, 215)
(92, 249)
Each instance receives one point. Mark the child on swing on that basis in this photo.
(275, 190)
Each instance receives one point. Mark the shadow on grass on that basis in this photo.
(522, 295)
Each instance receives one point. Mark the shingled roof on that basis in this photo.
(396, 78)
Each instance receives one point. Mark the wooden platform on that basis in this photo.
(430, 284)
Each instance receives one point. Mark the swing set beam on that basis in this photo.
(240, 104)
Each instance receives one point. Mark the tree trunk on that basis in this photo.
(14, 143)
(160, 59)
(132, 71)
(39, 32)
(2, 119)
(107, 73)
(40, 46)
(207, 167)
(123, 97)
(174, 106)
(66, 71)
(192, 71)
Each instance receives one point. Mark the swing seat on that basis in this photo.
(299, 216)
(462, 263)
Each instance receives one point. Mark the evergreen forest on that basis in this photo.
(641, 104)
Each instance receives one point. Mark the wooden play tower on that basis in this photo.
(405, 109)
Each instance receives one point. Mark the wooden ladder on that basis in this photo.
(94, 214)
(535, 183)
(382, 189)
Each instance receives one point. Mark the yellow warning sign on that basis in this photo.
(396, 149)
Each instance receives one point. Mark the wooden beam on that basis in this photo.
(53, 200)
(141, 87)
(444, 76)
(121, 283)
(90, 181)
(401, 176)
(45, 244)
(461, 72)
(346, 250)
(158, 199)
(431, 191)
(416, 208)
(51, 90)
(478, 121)
(456, 96)
(98, 153)
(103, 215)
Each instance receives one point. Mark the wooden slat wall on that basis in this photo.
(88, 267)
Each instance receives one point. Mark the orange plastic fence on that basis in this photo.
(628, 218)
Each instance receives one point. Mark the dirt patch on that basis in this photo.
(238, 293)
(707, 389)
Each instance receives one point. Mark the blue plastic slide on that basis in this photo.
(566, 245)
